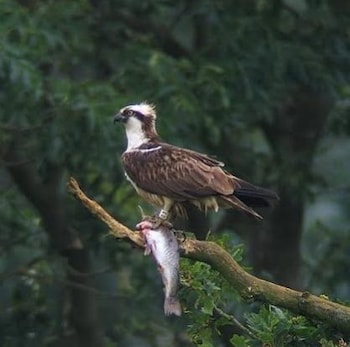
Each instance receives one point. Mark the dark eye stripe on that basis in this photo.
(139, 115)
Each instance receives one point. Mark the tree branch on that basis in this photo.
(247, 285)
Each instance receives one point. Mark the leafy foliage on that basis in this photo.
(205, 292)
(218, 72)
(275, 327)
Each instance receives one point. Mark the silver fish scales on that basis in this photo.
(162, 243)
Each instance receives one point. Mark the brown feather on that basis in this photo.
(234, 202)
(159, 170)
(177, 173)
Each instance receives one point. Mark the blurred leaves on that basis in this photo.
(273, 326)
(217, 71)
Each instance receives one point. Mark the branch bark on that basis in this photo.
(247, 285)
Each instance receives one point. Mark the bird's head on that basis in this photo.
(139, 121)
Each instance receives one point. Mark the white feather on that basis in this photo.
(149, 149)
(135, 134)
(143, 108)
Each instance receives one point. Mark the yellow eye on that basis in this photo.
(129, 113)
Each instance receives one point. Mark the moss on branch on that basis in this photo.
(247, 285)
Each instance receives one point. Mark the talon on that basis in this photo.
(153, 223)
(181, 233)
(157, 222)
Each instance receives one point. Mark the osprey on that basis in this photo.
(168, 176)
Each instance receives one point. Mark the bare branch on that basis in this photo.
(247, 285)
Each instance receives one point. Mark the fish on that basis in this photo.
(161, 242)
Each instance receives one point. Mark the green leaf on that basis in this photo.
(239, 341)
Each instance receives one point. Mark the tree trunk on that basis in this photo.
(49, 198)
(294, 134)
(275, 248)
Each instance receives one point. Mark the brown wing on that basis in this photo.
(177, 173)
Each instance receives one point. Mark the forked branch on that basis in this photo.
(247, 285)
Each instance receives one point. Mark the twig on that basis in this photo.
(235, 321)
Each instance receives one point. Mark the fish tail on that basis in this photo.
(172, 306)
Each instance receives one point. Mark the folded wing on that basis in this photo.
(178, 173)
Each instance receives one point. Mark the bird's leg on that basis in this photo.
(158, 221)
(164, 214)
(178, 234)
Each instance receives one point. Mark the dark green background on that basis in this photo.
(262, 85)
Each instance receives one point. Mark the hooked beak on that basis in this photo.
(119, 118)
